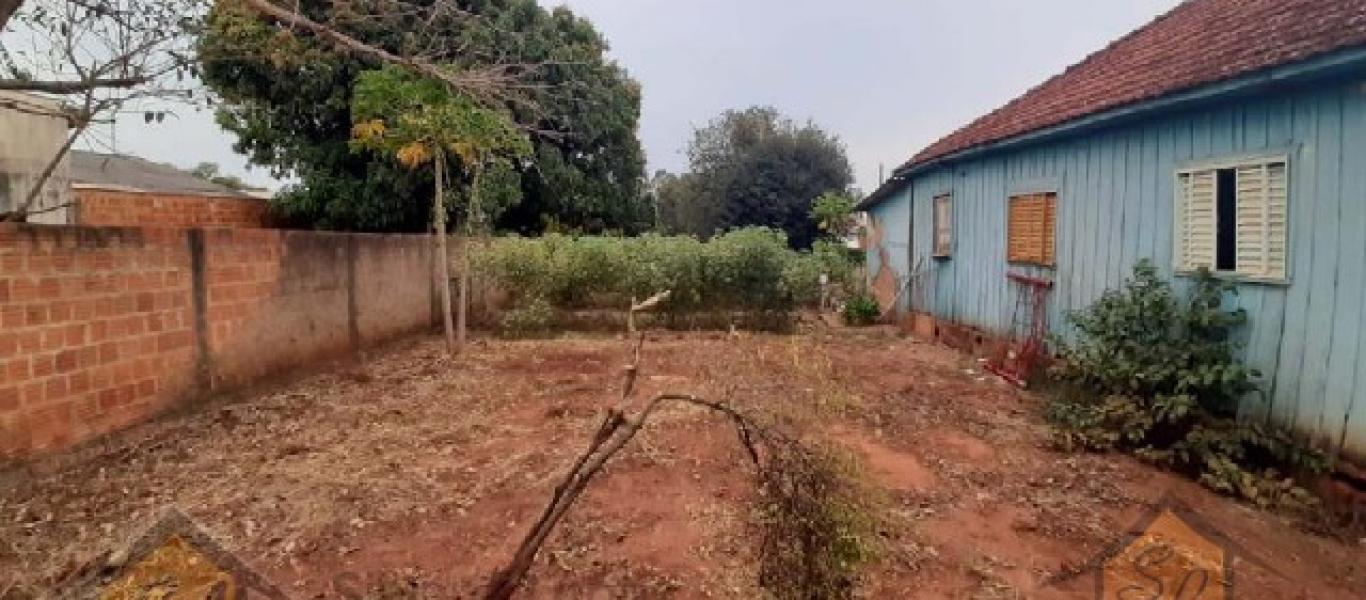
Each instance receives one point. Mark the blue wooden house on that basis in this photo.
(1227, 134)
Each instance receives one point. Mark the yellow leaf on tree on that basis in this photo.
(413, 154)
(367, 129)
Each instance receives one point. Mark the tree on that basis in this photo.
(209, 171)
(754, 167)
(417, 121)
(833, 213)
(289, 104)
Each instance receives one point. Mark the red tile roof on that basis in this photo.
(1198, 42)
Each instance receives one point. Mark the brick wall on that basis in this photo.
(101, 328)
(115, 208)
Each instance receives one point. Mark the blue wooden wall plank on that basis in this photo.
(1290, 366)
(1351, 277)
(1323, 248)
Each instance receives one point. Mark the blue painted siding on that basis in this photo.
(1115, 202)
(892, 219)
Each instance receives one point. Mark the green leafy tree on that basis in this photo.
(755, 167)
(833, 213)
(418, 121)
(210, 171)
(288, 99)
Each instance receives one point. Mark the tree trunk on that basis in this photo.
(443, 259)
(463, 308)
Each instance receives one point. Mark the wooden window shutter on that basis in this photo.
(1277, 220)
(1195, 224)
(943, 225)
(1031, 229)
(1050, 221)
(1252, 220)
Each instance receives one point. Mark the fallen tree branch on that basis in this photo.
(611, 436)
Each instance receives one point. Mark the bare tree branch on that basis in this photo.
(488, 83)
(70, 87)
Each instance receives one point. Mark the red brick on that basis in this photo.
(50, 426)
(35, 314)
(79, 382)
(59, 311)
(17, 369)
(108, 398)
(29, 341)
(66, 361)
(108, 352)
(31, 393)
(9, 398)
(11, 317)
(99, 331)
(55, 389)
(43, 365)
(75, 334)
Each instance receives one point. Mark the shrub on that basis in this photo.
(820, 523)
(743, 270)
(534, 316)
(860, 310)
(1149, 374)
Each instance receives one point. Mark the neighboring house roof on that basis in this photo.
(1197, 43)
(130, 173)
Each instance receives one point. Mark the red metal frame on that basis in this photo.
(1016, 360)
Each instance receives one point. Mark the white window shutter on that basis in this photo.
(1262, 195)
(1252, 221)
(1195, 220)
(1277, 220)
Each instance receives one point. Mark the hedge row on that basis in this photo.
(748, 269)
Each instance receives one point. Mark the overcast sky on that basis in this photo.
(886, 76)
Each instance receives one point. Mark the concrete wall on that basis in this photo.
(1115, 204)
(99, 207)
(101, 328)
(30, 135)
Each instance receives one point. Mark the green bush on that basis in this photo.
(1149, 374)
(750, 269)
(534, 316)
(860, 310)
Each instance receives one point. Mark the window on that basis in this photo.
(943, 226)
(1232, 219)
(1030, 231)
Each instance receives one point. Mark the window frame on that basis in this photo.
(1234, 162)
(1022, 194)
(946, 250)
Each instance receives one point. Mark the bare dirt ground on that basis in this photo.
(419, 474)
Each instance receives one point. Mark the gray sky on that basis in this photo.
(887, 76)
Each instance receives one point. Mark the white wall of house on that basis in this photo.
(31, 132)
